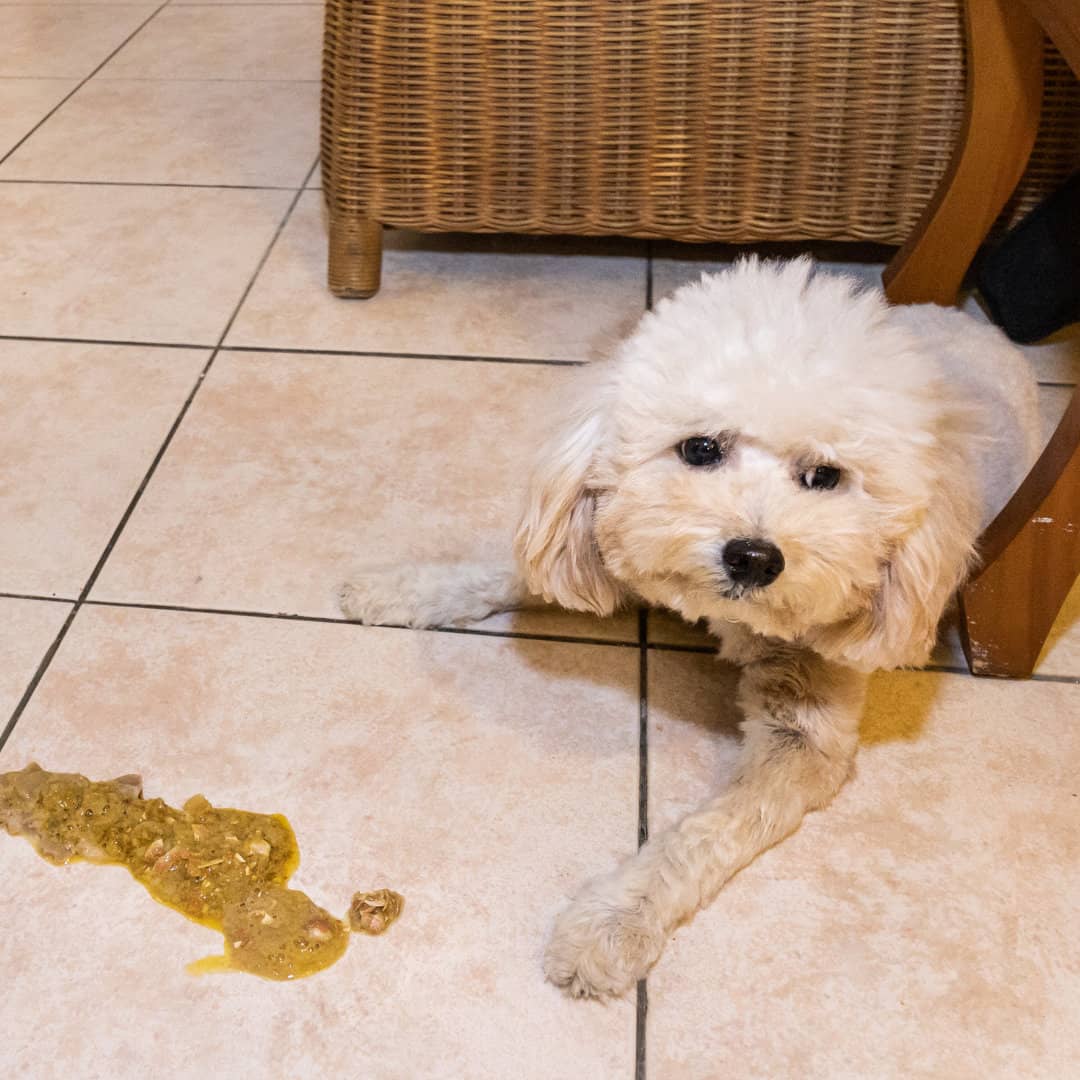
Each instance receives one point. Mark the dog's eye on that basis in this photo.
(701, 451)
(823, 477)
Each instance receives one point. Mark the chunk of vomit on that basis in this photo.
(225, 869)
(373, 912)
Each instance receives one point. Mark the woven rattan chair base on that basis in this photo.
(699, 120)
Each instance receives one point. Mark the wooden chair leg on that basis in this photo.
(355, 259)
(1004, 96)
(1031, 558)
(1031, 551)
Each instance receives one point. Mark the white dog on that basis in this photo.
(805, 467)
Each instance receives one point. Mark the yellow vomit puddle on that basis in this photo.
(222, 868)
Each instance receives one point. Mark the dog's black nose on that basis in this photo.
(753, 562)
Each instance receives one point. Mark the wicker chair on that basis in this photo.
(729, 120)
(914, 121)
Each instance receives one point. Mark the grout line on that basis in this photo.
(1064, 680)
(643, 727)
(642, 1001)
(957, 669)
(359, 353)
(1069, 680)
(35, 596)
(568, 639)
(641, 1022)
(290, 351)
(408, 356)
(299, 352)
(42, 667)
(147, 184)
(46, 660)
(198, 79)
(262, 262)
(468, 631)
(105, 341)
(649, 276)
(78, 86)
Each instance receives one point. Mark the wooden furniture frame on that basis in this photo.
(1030, 554)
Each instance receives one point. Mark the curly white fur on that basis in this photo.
(931, 419)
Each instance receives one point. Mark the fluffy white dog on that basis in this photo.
(785, 455)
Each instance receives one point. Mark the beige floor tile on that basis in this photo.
(23, 103)
(482, 778)
(131, 264)
(290, 471)
(79, 427)
(176, 133)
(222, 42)
(90, 3)
(64, 41)
(1057, 359)
(27, 629)
(1061, 654)
(201, 3)
(480, 296)
(919, 927)
(186, 3)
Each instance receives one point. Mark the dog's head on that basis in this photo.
(768, 448)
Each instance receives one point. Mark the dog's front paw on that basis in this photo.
(385, 596)
(601, 946)
(429, 594)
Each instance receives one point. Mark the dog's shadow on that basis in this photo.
(898, 705)
(686, 688)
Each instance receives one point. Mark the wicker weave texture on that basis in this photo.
(692, 119)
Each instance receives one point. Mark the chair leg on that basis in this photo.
(355, 258)
(1004, 96)
(1031, 560)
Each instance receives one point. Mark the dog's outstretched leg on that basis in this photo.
(801, 730)
(431, 594)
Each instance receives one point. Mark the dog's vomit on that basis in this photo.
(224, 869)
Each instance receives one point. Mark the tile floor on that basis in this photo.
(198, 442)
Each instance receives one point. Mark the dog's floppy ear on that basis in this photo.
(924, 570)
(555, 544)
